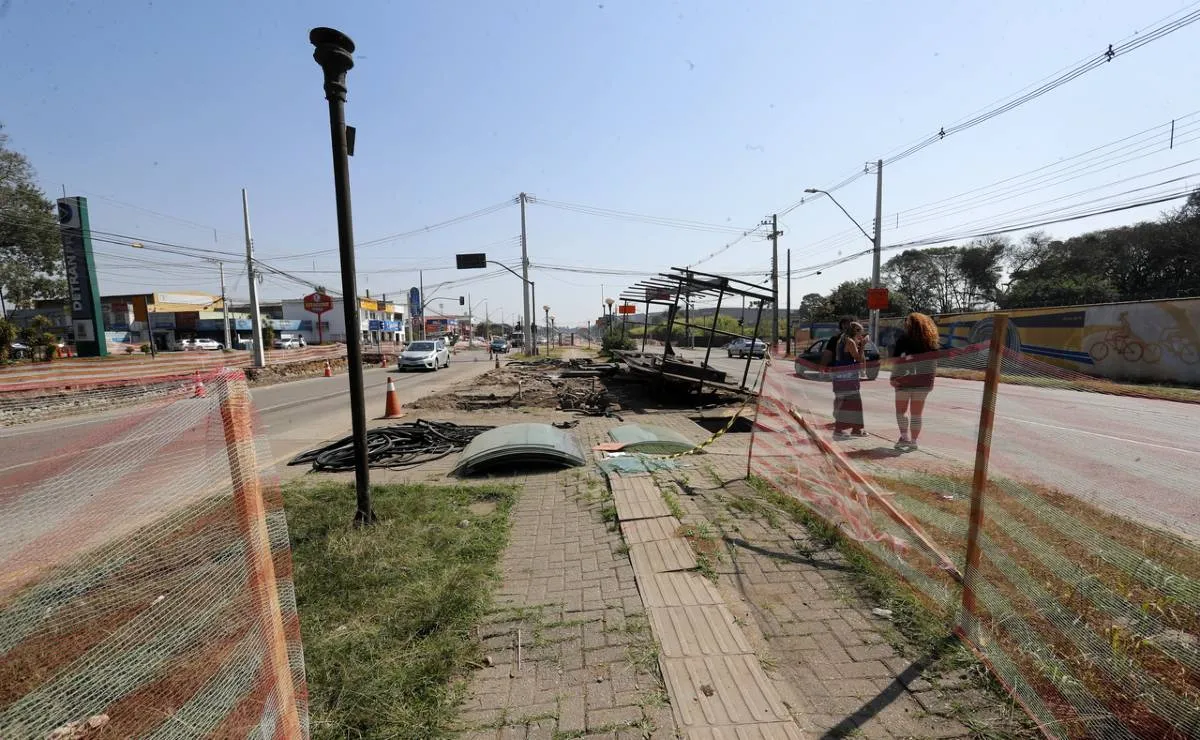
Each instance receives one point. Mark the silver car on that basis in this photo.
(426, 354)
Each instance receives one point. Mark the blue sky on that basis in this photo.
(715, 112)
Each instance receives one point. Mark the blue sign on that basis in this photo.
(383, 325)
(414, 303)
(285, 324)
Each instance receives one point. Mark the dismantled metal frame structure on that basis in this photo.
(668, 288)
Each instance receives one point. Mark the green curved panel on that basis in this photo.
(513, 445)
(650, 440)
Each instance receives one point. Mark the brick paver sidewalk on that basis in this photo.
(587, 663)
(573, 654)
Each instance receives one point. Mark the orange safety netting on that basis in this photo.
(1088, 590)
(145, 572)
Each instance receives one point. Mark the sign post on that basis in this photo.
(877, 299)
(87, 321)
(318, 303)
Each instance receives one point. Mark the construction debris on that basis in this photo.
(533, 384)
(395, 447)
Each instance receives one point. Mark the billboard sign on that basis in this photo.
(87, 321)
(626, 308)
(317, 303)
(414, 303)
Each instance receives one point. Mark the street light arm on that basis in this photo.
(506, 267)
(839, 205)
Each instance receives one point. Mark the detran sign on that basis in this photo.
(87, 320)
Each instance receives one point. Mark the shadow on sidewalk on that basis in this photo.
(890, 693)
(876, 453)
(786, 556)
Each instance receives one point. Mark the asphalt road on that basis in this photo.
(295, 415)
(1135, 457)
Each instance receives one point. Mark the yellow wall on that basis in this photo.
(1144, 340)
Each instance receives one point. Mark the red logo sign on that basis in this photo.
(626, 308)
(877, 299)
(317, 303)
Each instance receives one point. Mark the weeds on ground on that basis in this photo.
(387, 611)
(923, 624)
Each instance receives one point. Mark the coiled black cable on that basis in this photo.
(394, 447)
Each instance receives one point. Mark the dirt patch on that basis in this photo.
(516, 387)
(272, 374)
(482, 508)
(542, 385)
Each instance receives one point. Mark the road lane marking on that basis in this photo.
(1103, 436)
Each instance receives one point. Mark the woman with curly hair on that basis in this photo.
(913, 369)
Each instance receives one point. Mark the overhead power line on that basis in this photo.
(1160, 29)
(675, 223)
(1066, 214)
(1146, 143)
(400, 236)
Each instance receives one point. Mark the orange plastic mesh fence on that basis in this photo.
(1088, 591)
(145, 573)
(117, 370)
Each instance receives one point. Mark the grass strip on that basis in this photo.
(387, 612)
(1098, 385)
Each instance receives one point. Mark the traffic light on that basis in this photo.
(462, 300)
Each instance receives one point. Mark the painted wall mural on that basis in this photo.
(1145, 340)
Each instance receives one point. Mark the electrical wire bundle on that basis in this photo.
(394, 447)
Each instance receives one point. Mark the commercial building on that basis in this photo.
(381, 321)
(130, 319)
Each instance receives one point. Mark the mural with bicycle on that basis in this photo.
(1154, 340)
(1142, 340)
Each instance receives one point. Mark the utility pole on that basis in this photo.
(224, 305)
(775, 234)
(260, 355)
(788, 319)
(878, 246)
(526, 287)
(334, 52)
(529, 328)
(421, 318)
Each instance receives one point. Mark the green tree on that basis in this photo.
(37, 335)
(914, 273)
(813, 307)
(980, 264)
(268, 335)
(850, 298)
(8, 335)
(613, 340)
(31, 259)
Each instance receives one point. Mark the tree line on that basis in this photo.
(1149, 260)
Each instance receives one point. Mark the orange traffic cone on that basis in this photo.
(328, 370)
(199, 391)
(393, 409)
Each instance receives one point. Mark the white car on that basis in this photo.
(290, 341)
(206, 344)
(428, 354)
(188, 345)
